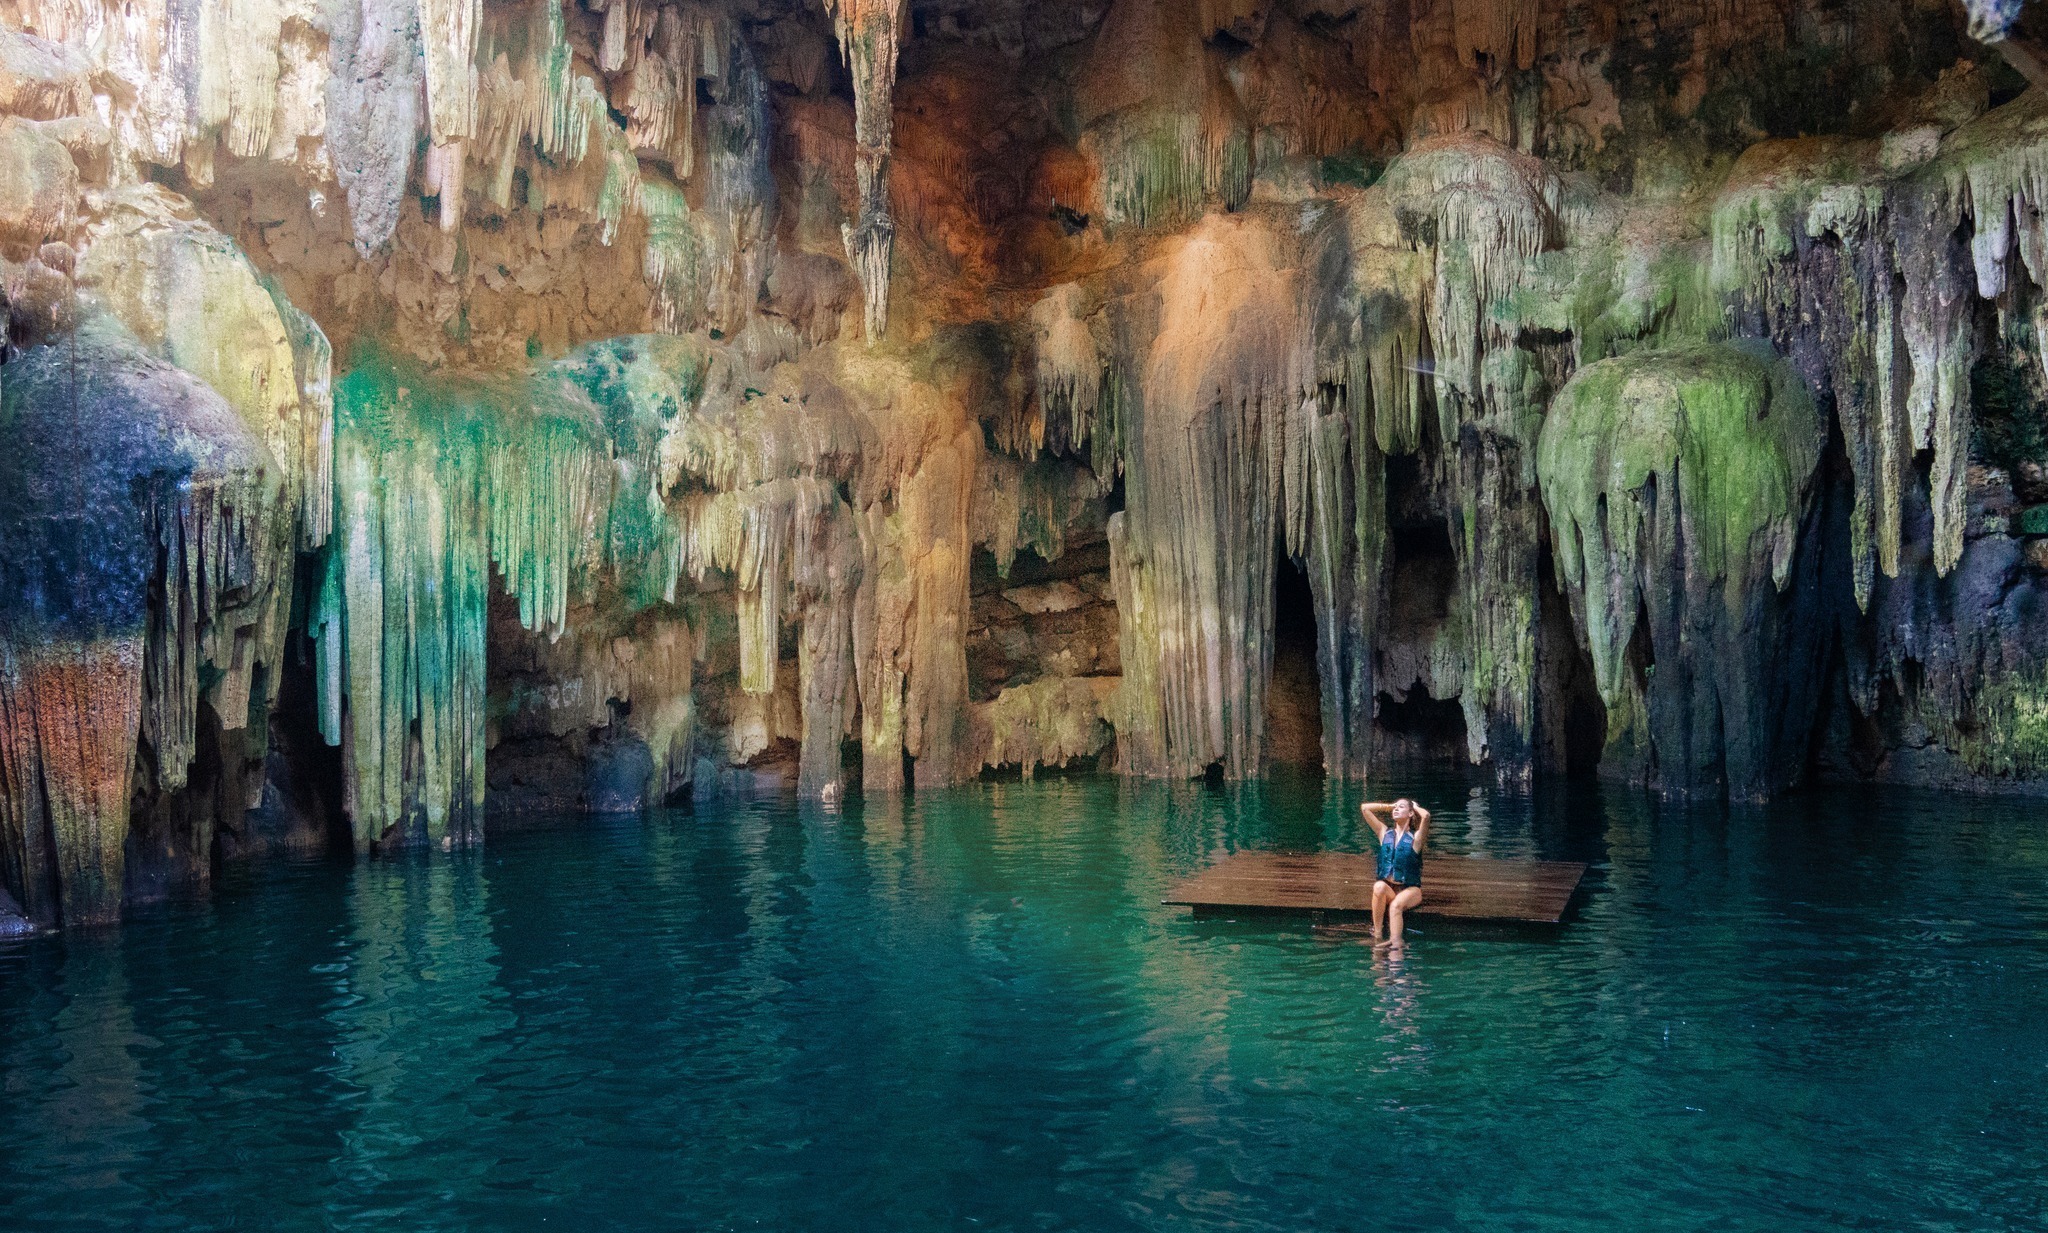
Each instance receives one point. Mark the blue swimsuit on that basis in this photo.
(1400, 863)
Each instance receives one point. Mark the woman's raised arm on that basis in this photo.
(1371, 810)
(1422, 829)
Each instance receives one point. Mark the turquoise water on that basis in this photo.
(969, 1012)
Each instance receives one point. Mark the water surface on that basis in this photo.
(969, 1011)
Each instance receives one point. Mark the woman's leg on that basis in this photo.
(1397, 912)
(1382, 894)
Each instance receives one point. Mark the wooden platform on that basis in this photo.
(1457, 887)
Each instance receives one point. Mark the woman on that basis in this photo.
(1400, 869)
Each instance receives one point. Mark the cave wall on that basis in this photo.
(510, 406)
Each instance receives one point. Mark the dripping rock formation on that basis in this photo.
(423, 412)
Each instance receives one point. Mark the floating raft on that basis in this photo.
(1454, 887)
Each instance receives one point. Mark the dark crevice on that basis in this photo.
(1294, 717)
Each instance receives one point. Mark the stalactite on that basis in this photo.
(738, 236)
(1677, 483)
(1203, 465)
(448, 43)
(1495, 36)
(1030, 505)
(138, 573)
(191, 297)
(373, 105)
(654, 55)
(869, 31)
(39, 183)
(436, 483)
(1991, 19)
(534, 110)
(313, 365)
(1164, 129)
(1060, 414)
(1388, 336)
(754, 498)
(1493, 212)
(1895, 229)
(237, 72)
(1046, 723)
(1781, 196)
(42, 78)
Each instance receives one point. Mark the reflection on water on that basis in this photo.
(969, 1009)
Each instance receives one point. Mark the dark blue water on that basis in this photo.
(970, 1012)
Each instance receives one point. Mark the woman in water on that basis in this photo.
(1400, 870)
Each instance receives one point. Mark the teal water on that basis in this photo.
(969, 1012)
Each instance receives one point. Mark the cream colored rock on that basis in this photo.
(41, 79)
(39, 186)
(188, 293)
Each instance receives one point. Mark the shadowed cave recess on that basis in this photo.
(424, 411)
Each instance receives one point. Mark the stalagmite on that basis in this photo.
(869, 31)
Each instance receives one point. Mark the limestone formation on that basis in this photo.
(544, 405)
(1677, 484)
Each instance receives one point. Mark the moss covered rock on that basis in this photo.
(1677, 483)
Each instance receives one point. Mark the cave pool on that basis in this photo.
(968, 1011)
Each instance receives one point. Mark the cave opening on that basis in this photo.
(1416, 727)
(1569, 707)
(1294, 713)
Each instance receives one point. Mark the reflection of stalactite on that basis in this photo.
(869, 31)
(420, 952)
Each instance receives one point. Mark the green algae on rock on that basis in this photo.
(1677, 483)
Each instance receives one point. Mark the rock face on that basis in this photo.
(417, 409)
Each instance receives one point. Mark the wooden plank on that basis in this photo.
(1465, 887)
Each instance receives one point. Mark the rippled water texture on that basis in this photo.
(971, 1012)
